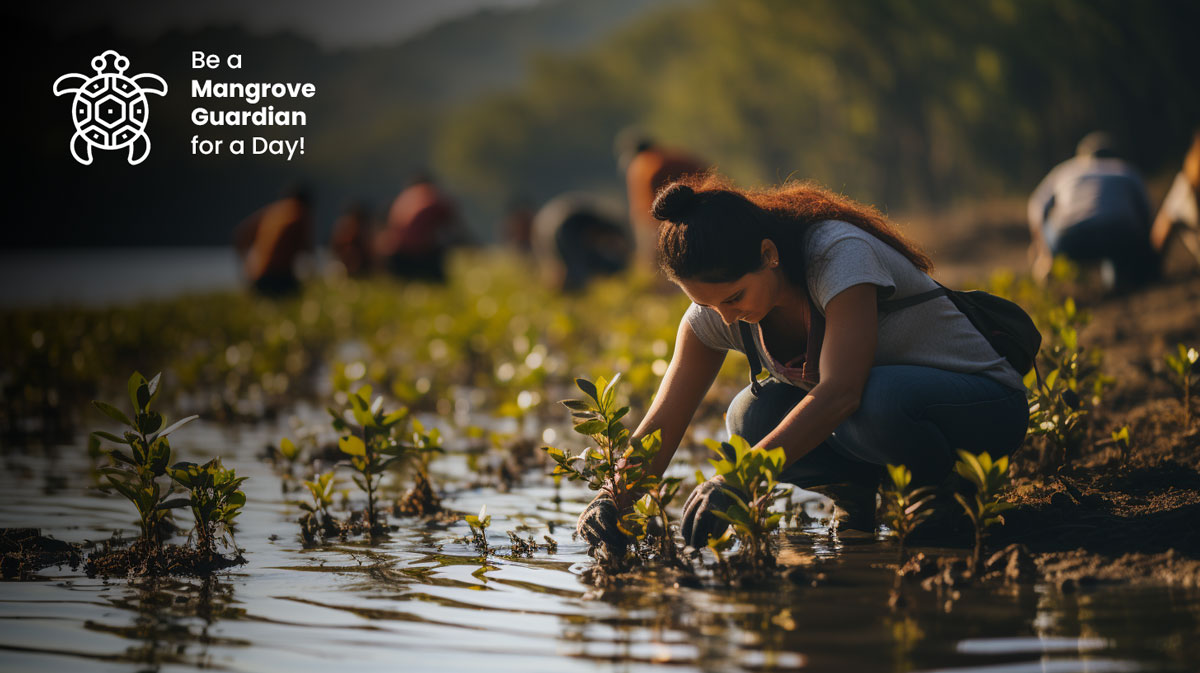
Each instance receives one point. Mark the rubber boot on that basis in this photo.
(853, 505)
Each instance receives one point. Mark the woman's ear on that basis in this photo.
(770, 254)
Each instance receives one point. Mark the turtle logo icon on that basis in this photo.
(110, 110)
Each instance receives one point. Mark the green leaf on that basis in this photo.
(395, 417)
(110, 437)
(135, 382)
(610, 392)
(122, 457)
(175, 503)
(353, 446)
(112, 412)
(288, 448)
(588, 389)
(176, 425)
(149, 422)
(576, 405)
(592, 427)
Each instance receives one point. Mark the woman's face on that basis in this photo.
(749, 298)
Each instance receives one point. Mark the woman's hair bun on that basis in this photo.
(673, 202)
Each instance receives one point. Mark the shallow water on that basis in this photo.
(421, 600)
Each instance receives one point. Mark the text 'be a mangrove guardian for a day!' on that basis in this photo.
(263, 95)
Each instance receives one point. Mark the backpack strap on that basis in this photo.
(751, 355)
(897, 304)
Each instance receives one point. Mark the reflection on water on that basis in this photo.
(108, 276)
(102, 276)
(422, 600)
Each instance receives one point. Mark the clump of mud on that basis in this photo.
(118, 558)
(420, 501)
(23, 551)
(527, 547)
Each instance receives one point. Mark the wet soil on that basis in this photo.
(1108, 517)
(117, 558)
(1113, 505)
(24, 551)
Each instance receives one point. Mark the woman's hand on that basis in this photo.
(699, 522)
(598, 524)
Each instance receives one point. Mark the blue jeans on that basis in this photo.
(1126, 244)
(910, 415)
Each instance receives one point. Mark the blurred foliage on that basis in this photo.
(894, 102)
(490, 336)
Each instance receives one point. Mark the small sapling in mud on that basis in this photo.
(1057, 414)
(1123, 442)
(317, 518)
(749, 481)
(479, 524)
(1181, 365)
(135, 475)
(214, 496)
(375, 441)
(1058, 410)
(985, 507)
(619, 464)
(905, 508)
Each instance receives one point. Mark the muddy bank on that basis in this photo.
(24, 551)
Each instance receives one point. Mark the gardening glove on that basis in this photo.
(598, 523)
(698, 520)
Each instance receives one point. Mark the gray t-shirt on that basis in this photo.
(930, 334)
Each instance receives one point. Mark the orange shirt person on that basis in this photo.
(650, 169)
(1179, 215)
(272, 239)
(422, 226)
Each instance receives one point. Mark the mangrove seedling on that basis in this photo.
(135, 474)
(317, 518)
(1057, 409)
(215, 497)
(290, 452)
(377, 440)
(1181, 365)
(1122, 440)
(648, 518)
(478, 524)
(321, 489)
(905, 508)
(617, 463)
(985, 507)
(749, 481)
(1057, 413)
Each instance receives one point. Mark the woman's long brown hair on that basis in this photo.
(713, 231)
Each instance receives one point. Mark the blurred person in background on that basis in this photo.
(1177, 218)
(422, 226)
(1093, 208)
(517, 225)
(351, 240)
(648, 168)
(272, 240)
(577, 237)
